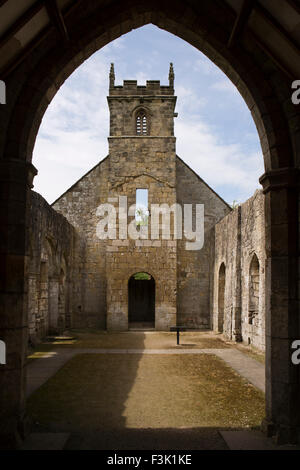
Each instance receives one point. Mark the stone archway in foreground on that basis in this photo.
(266, 90)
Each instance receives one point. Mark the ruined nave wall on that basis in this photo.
(240, 248)
(79, 205)
(195, 268)
(53, 249)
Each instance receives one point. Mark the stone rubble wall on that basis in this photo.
(108, 264)
(195, 268)
(52, 247)
(150, 164)
(160, 116)
(186, 281)
(253, 242)
(240, 236)
(79, 205)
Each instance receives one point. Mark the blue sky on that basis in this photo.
(216, 135)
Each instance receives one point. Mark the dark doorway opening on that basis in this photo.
(141, 301)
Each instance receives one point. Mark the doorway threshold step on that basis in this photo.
(141, 326)
(142, 329)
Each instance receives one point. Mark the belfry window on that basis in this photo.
(141, 123)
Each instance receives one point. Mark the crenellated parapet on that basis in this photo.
(131, 87)
(141, 111)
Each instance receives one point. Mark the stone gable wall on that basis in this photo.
(148, 163)
(195, 268)
(79, 206)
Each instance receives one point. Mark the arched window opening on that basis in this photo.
(61, 302)
(141, 123)
(221, 297)
(253, 289)
(43, 301)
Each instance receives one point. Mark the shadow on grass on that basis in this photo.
(149, 439)
(136, 401)
(88, 389)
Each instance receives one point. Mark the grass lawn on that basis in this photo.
(134, 340)
(92, 392)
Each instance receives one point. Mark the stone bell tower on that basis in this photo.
(141, 111)
(142, 155)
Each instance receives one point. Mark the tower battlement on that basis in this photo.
(131, 87)
(141, 111)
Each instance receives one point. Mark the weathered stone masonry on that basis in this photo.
(220, 286)
(52, 243)
(264, 81)
(195, 268)
(183, 279)
(240, 253)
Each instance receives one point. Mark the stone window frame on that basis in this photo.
(253, 312)
(141, 123)
(142, 111)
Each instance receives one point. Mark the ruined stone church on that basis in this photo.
(78, 280)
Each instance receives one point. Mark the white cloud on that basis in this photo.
(188, 101)
(224, 85)
(218, 164)
(73, 134)
(205, 66)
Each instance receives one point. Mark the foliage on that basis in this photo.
(142, 277)
(141, 216)
(235, 204)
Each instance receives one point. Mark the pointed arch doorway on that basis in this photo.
(141, 301)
